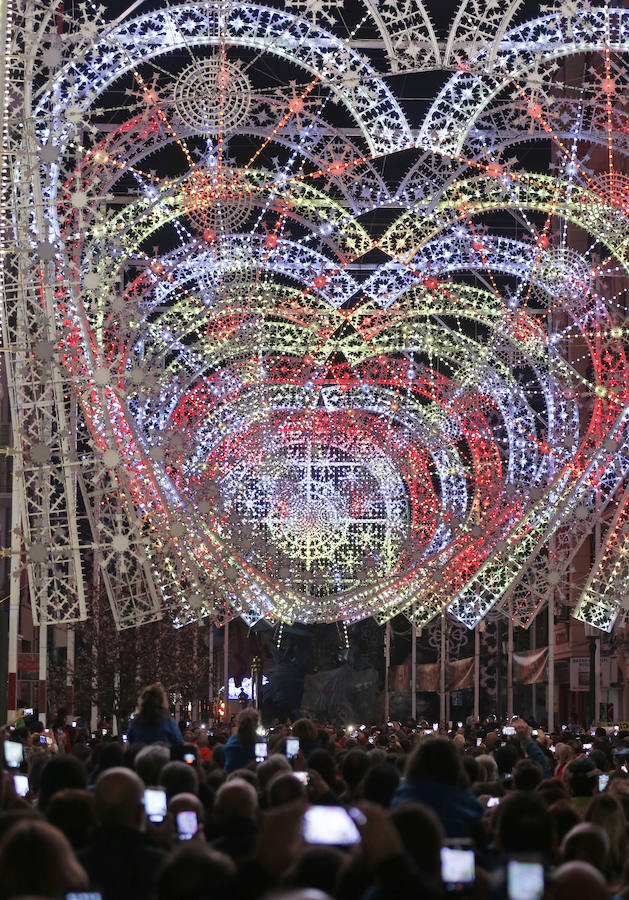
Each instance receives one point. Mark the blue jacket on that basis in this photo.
(237, 755)
(537, 755)
(165, 731)
(457, 807)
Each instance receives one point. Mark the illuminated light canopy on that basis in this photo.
(312, 386)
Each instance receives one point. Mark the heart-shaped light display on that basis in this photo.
(331, 385)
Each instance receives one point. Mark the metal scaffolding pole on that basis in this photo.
(42, 699)
(210, 669)
(226, 666)
(14, 600)
(413, 672)
(550, 695)
(387, 666)
(70, 657)
(442, 670)
(477, 672)
(510, 661)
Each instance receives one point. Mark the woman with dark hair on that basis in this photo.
(605, 811)
(37, 859)
(435, 776)
(152, 721)
(240, 748)
(306, 731)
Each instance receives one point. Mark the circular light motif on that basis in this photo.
(564, 273)
(217, 200)
(212, 96)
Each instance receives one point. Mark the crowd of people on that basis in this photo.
(310, 811)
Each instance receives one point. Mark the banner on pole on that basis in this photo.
(529, 666)
(460, 674)
(580, 673)
(428, 677)
(609, 672)
(399, 678)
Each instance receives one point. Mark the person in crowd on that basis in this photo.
(203, 746)
(525, 826)
(565, 817)
(73, 812)
(58, 773)
(580, 774)
(306, 731)
(238, 832)
(323, 763)
(189, 803)
(435, 777)
(236, 816)
(318, 868)
(285, 788)
(353, 769)
(527, 775)
(152, 721)
(239, 749)
(587, 843)
(530, 747)
(193, 871)
(37, 860)
(178, 778)
(380, 783)
(422, 835)
(564, 754)
(149, 762)
(606, 812)
(488, 767)
(121, 860)
(267, 770)
(578, 881)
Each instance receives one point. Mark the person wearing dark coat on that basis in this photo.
(121, 860)
(152, 721)
(436, 778)
(239, 750)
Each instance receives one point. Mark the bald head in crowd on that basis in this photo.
(185, 802)
(579, 881)
(118, 796)
(270, 768)
(587, 843)
(236, 799)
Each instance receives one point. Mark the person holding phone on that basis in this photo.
(239, 750)
(121, 860)
(152, 721)
(188, 803)
(236, 813)
(524, 735)
(435, 777)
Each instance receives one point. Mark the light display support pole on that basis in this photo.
(14, 598)
(43, 661)
(413, 672)
(94, 651)
(533, 646)
(442, 670)
(510, 662)
(70, 657)
(226, 665)
(550, 694)
(210, 669)
(597, 682)
(387, 666)
(477, 672)
(591, 705)
(597, 633)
